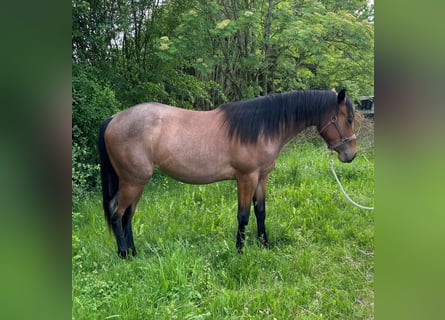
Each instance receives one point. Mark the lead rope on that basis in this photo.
(331, 166)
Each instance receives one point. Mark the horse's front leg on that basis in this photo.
(243, 221)
(259, 203)
(246, 188)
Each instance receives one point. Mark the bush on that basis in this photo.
(84, 176)
(93, 102)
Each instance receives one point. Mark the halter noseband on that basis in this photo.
(343, 139)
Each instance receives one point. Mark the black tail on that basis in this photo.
(110, 181)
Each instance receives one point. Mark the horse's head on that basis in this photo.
(337, 129)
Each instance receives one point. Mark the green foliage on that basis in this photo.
(84, 174)
(323, 49)
(198, 54)
(320, 265)
(93, 102)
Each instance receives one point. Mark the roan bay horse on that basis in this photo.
(237, 141)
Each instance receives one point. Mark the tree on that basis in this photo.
(198, 54)
(251, 48)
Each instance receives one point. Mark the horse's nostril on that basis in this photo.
(344, 157)
(353, 157)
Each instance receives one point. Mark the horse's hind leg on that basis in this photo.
(127, 225)
(128, 231)
(129, 196)
(116, 226)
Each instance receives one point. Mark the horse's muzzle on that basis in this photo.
(346, 157)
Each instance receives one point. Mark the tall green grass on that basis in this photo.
(320, 264)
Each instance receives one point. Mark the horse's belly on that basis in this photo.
(197, 174)
(196, 168)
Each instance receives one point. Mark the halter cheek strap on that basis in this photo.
(343, 139)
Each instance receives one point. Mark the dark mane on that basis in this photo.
(271, 115)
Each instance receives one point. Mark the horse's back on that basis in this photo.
(188, 145)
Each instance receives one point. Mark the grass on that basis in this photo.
(320, 265)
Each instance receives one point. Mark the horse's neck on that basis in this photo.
(293, 131)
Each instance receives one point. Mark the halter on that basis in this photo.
(343, 139)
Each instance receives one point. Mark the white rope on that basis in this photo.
(331, 166)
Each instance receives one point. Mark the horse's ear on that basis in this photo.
(341, 96)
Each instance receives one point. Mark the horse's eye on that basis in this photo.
(350, 120)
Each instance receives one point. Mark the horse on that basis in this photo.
(236, 141)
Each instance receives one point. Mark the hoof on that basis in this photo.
(122, 254)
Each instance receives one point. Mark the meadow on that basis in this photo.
(320, 264)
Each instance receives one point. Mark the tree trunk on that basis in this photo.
(266, 48)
